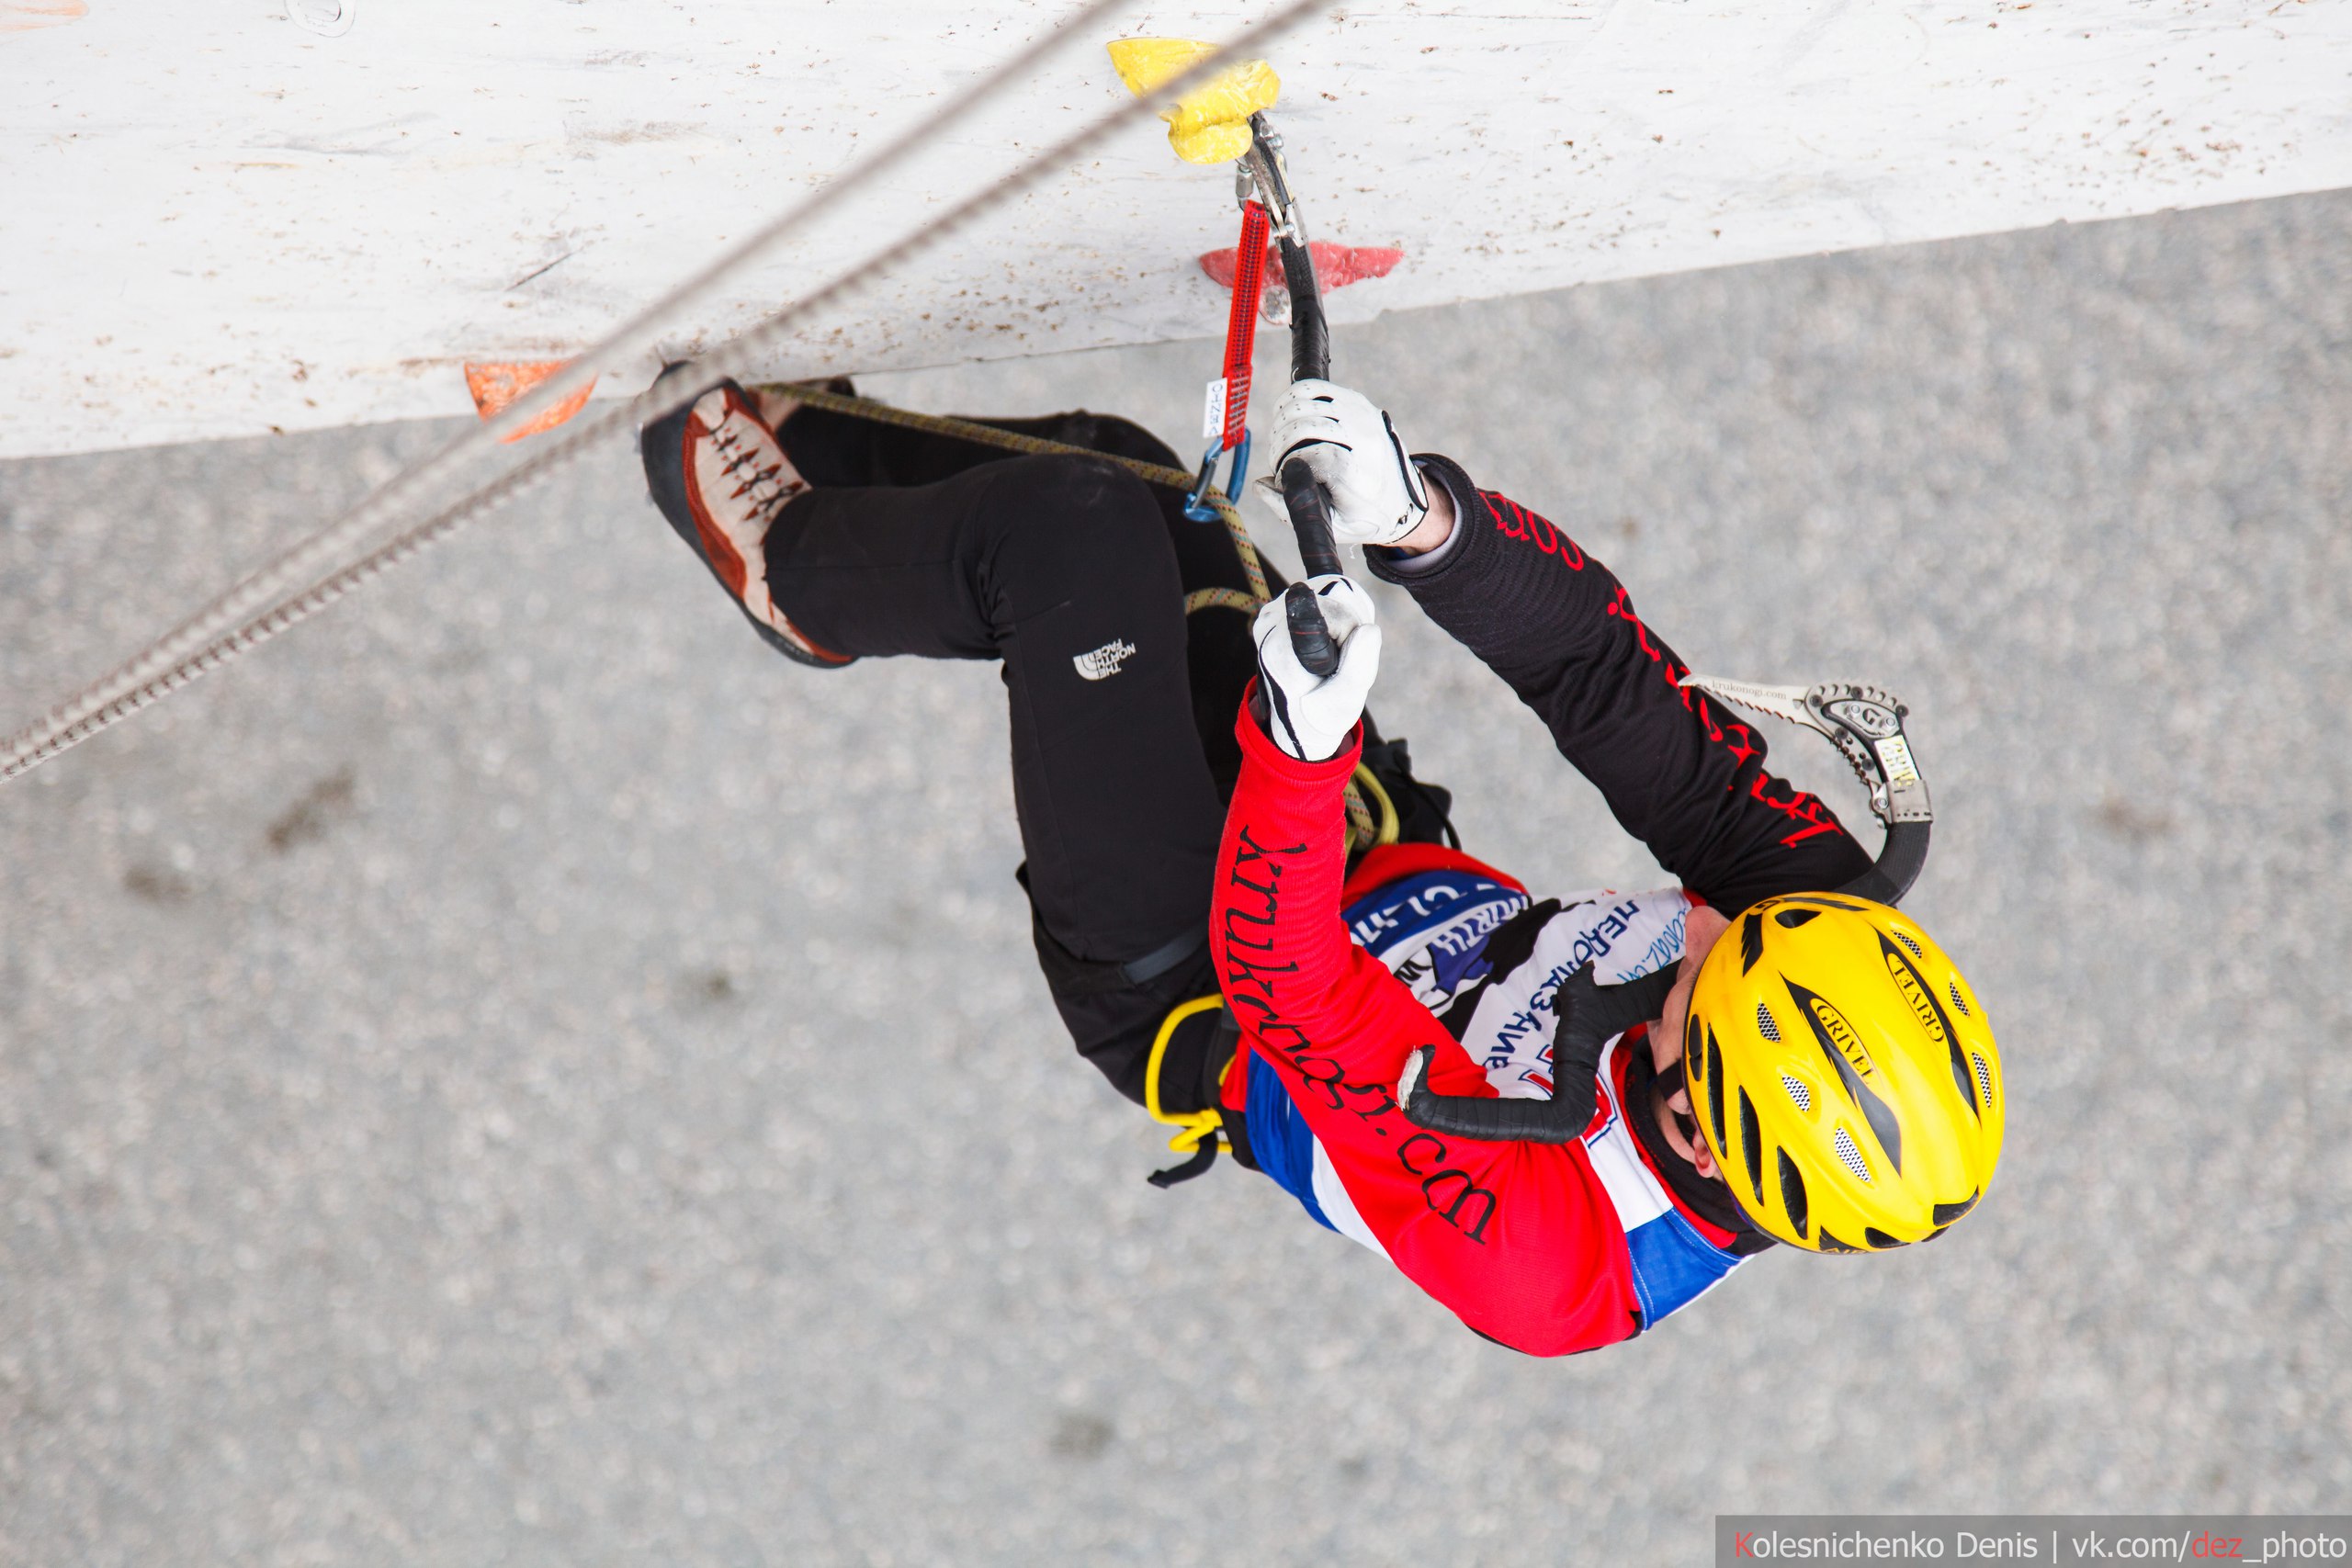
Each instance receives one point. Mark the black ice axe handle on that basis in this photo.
(1310, 359)
(1310, 508)
(1310, 519)
(1590, 1015)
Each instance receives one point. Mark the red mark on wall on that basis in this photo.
(1336, 266)
(496, 387)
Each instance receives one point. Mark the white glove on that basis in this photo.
(1310, 717)
(1377, 495)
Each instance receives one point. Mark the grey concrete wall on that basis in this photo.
(514, 1073)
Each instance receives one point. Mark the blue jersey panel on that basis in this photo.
(1279, 1138)
(1673, 1264)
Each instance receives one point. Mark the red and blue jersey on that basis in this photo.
(1546, 1249)
(1335, 981)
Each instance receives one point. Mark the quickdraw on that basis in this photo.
(1227, 420)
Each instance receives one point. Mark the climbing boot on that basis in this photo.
(719, 474)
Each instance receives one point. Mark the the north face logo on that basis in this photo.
(1104, 661)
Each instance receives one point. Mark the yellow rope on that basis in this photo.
(1362, 829)
(1220, 599)
(1391, 826)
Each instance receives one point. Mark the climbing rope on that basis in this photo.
(816, 396)
(412, 509)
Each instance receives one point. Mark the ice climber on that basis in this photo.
(1818, 1074)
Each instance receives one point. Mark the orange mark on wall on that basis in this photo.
(24, 15)
(495, 388)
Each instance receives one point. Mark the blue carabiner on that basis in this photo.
(1196, 506)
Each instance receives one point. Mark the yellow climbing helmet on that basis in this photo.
(1842, 1074)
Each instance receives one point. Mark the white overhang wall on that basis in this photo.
(231, 219)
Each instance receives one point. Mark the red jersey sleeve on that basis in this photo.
(1518, 1239)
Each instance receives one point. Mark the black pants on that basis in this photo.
(1071, 572)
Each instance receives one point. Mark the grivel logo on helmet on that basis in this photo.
(1843, 1046)
(1833, 1023)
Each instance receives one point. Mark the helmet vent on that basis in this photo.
(1797, 1091)
(1751, 1139)
(1958, 1001)
(1715, 1087)
(1879, 1238)
(1764, 1024)
(1852, 1156)
(1904, 937)
(1984, 1078)
(1793, 1193)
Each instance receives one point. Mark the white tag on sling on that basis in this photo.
(1213, 411)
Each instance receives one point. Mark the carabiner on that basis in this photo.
(1196, 506)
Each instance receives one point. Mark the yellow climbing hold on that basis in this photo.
(1210, 123)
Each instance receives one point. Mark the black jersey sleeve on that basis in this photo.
(1682, 773)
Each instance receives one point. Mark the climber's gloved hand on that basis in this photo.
(1311, 717)
(1377, 495)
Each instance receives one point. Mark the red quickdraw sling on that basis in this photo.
(1226, 420)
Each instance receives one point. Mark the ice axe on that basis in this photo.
(1226, 119)
(1865, 724)
(1310, 359)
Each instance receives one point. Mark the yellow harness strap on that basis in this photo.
(1193, 1126)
